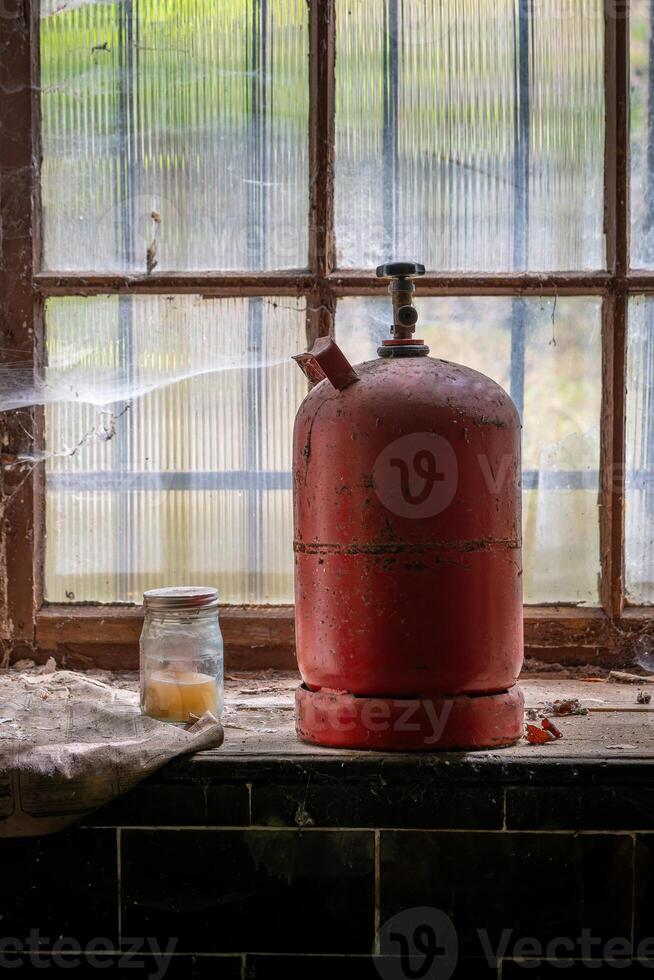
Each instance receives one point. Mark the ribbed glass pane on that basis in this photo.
(639, 563)
(169, 422)
(470, 133)
(642, 134)
(547, 354)
(174, 126)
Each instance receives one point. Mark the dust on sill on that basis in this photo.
(259, 714)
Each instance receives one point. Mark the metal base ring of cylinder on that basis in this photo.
(427, 724)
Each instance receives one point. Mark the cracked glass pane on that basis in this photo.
(174, 134)
(168, 445)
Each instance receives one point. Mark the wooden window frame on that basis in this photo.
(260, 637)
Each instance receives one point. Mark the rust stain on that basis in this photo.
(306, 449)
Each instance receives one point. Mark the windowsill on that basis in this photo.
(259, 722)
(264, 777)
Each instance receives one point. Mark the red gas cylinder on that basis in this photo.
(408, 600)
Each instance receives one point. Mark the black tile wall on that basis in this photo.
(127, 967)
(355, 968)
(644, 894)
(233, 891)
(272, 867)
(177, 805)
(559, 969)
(621, 807)
(535, 885)
(62, 885)
(374, 803)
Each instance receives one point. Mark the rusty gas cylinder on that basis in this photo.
(406, 481)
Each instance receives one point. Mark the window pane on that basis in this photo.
(195, 112)
(470, 134)
(639, 565)
(169, 423)
(642, 135)
(547, 354)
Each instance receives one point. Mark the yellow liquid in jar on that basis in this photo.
(174, 695)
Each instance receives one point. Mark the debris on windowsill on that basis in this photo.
(49, 667)
(566, 706)
(550, 727)
(258, 715)
(643, 697)
(548, 732)
(127, 680)
(536, 736)
(563, 708)
(557, 671)
(633, 708)
(625, 677)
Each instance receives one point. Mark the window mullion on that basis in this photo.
(21, 321)
(614, 333)
(320, 302)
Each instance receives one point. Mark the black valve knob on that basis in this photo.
(400, 270)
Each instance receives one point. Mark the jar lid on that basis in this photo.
(180, 598)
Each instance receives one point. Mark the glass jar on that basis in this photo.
(181, 654)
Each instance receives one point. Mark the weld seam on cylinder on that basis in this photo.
(403, 548)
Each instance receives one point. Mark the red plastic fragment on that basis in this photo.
(548, 732)
(537, 736)
(549, 726)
